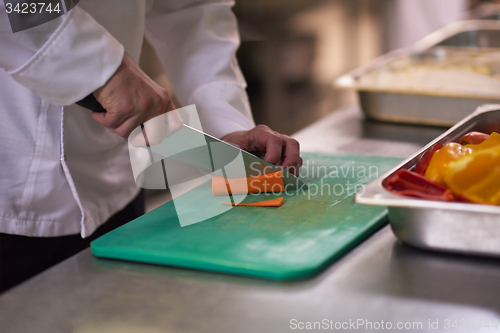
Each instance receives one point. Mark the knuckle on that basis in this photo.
(143, 104)
(161, 101)
(165, 96)
(262, 127)
(294, 142)
(122, 107)
(278, 139)
(290, 140)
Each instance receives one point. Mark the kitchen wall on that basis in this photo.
(292, 50)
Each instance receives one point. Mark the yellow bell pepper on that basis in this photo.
(438, 165)
(476, 176)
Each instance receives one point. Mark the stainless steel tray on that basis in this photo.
(425, 107)
(443, 226)
(486, 11)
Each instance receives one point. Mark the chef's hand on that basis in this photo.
(130, 98)
(273, 147)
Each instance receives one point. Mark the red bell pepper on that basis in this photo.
(473, 138)
(412, 184)
(424, 161)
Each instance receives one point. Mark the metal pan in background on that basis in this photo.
(442, 226)
(486, 11)
(425, 107)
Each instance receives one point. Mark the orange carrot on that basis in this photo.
(271, 182)
(265, 203)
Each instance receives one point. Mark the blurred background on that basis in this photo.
(292, 50)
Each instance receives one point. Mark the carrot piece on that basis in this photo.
(265, 203)
(270, 182)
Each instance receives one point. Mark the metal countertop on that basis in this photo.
(380, 280)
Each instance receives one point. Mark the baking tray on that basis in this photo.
(443, 226)
(487, 11)
(440, 108)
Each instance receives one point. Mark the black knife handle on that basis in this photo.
(91, 103)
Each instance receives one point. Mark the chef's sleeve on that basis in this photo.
(196, 42)
(63, 60)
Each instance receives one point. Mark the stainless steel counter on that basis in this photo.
(380, 280)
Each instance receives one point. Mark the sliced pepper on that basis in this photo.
(424, 161)
(476, 176)
(493, 140)
(412, 184)
(439, 162)
(473, 138)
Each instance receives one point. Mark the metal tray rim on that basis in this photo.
(348, 81)
(376, 194)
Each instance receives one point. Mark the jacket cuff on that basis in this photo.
(76, 60)
(223, 108)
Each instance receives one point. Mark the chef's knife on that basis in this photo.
(188, 150)
(220, 154)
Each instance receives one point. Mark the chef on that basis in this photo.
(65, 174)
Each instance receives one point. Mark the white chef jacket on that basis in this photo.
(63, 173)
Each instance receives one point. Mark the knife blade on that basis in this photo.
(198, 149)
(222, 153)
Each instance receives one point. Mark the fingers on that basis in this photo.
(291, 155)
(121, 123)
(99, 117)
(130, 98)
(118, 118)
(262, 141)
(276, 148)
(273, 148)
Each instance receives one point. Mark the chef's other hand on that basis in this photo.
(130, 98)
(272, 146)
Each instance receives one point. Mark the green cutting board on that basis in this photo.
(296, 240)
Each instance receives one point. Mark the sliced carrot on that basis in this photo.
(265, 203)
(270, 182)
